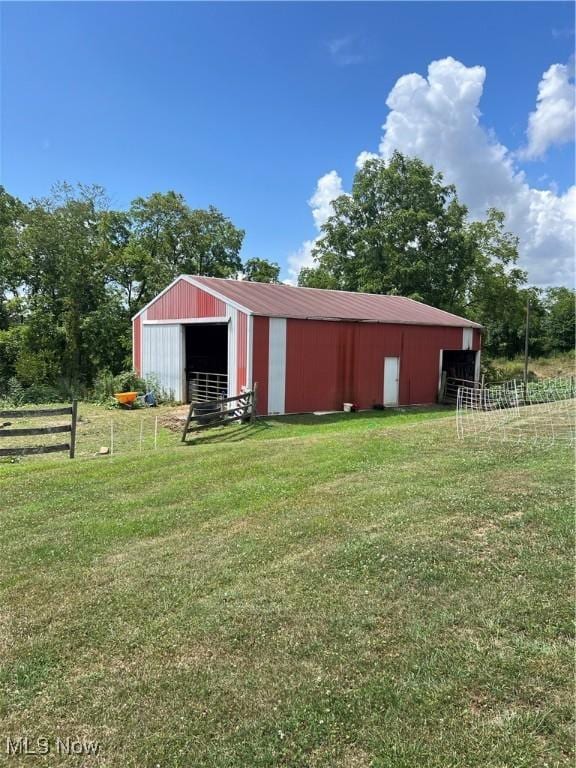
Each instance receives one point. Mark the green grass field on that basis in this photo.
(330, 591)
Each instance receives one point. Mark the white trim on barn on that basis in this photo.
(188, 321)
(249, 352)
(441, 361)
(277, 365)
(232, 314)
(144, 313)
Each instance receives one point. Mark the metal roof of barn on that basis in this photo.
(274, 300)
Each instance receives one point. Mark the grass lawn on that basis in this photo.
(315, 591)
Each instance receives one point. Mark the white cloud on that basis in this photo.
(328, 188)
(553, 120)
(363, 157)
(438, 119)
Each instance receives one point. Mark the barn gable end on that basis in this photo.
(182, 301)
(162, 354)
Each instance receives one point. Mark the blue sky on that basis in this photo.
(246, 106)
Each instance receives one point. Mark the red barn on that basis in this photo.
(308, 349)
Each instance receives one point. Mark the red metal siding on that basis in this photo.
(315, 360)
(241, 349)
(184, 300)
(260, 341)
(137, 339)
(477, 342)
(329, 363)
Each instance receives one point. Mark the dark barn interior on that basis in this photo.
(459, 363)
(206, 353)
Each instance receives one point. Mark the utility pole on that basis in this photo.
(526, 345)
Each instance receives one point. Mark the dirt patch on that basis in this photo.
(174, 419)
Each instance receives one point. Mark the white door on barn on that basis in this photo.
(163, 357)
(391, 380)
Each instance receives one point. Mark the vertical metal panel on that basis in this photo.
(232, 351)
(440, 359)
(241, 350)
(277, 365)
(250, 352)
(185, 300)
(467, 338)
(316, 359)
(260, 349)
(163, 356)
(477, 339)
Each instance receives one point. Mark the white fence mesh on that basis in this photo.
(119, 432)
(542, 411)
(100, 431)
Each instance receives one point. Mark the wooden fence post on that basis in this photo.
(73, 428)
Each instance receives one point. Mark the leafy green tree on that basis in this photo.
(494, 294)
(61, 245)
(12, 271)
(261, 271)
(72, 272)
(400, 231)
(168, 239)
(560, 304)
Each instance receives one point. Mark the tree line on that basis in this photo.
(73, 270)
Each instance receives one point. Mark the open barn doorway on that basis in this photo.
(206, 361)
(459, 364)
(458, 369)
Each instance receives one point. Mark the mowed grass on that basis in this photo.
(359, 591)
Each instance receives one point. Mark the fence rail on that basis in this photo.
(206, 387)
(23, 413)
(450, 386)
(224, 410)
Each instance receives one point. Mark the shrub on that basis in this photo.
(43, 393)
(129, 381)
(107, 384)
(36, 368)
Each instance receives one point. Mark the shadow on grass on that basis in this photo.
(338, 417)
(237, 433)
(226, 434)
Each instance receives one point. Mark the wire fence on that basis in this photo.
(101, 432)
(110, 435)
(541, 411)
